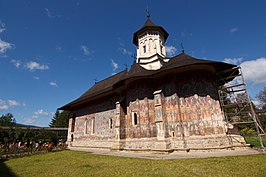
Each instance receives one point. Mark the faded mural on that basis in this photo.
(182, 108)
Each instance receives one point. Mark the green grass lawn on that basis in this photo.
(73, 163)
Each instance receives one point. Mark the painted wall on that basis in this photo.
(96, 121)
(188, 108)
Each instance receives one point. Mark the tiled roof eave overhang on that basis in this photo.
(83, 100)
(125, 81)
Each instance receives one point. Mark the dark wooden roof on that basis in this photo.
(98, 88)
(179, 62)
(149, 25)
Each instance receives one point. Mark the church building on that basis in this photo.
(160, 104)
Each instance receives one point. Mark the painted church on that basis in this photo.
(160, 104)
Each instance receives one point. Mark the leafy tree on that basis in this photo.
(7, 120)
(60, 119)
(262, 97)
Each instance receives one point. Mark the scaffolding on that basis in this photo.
(236, 103)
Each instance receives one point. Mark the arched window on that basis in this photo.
(144, 49)
(72, 137)
(111, 123)
(93, 126)
(135, 119)
(86, 126)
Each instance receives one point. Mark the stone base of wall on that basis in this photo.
(92, 143)
(167, 145)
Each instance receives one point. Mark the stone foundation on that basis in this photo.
(167, 145)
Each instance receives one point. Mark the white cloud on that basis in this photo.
(114, 65)
(170, 50)
(31, 120)
(86, 51)
(122, 48)
(6, 104)
(254, 70)
(185, 34)
(36, 77)
(3, 105)
(54, 84)
(235, 61)
(34, 118)
(232, 30)
(50, 14)
(13, 103)
(2, 27)
(17, 63)
(4, 46)
(58, 48)
(32, 65)
(41, 112)
(124, 51)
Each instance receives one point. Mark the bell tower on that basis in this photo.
(150, 40)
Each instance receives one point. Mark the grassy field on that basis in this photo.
(72, 163)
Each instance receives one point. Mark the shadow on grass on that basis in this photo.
(5, 170)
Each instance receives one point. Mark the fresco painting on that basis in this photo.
(196, 114)
(102, 124)
(170, 113)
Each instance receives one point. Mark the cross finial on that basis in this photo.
(183, 50)
(148, 12)
(95, 80)
(126, 66)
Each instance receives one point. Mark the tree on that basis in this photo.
(60, 119)
(262, 98)
(7, 120)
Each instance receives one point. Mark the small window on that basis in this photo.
(72, 137)
(111, 123)
(144, 48)
(86, 126)
(135, 119)
(92, 126)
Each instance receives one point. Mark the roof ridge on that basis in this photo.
(111, 76)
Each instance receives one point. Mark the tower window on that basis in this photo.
(111, 123)
(134, 119)
(144, 49)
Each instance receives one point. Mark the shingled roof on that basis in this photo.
(175, 63)
(149, 25)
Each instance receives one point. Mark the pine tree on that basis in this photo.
(60, 119)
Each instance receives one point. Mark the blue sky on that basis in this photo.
(51, 52)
